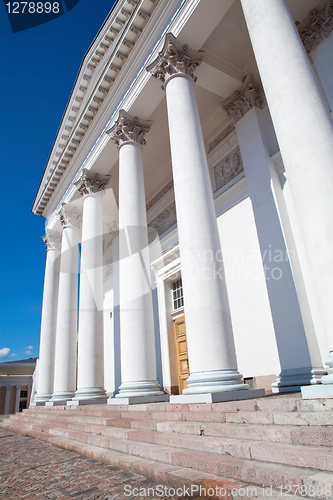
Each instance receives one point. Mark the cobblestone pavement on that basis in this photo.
(35, 470)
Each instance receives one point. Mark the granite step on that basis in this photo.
(279, 453)
(182, 466)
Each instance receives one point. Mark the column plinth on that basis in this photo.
(211, 350)
(138, 358)
(304, 130)
(90, 383)
(52, 240)
(66, 338)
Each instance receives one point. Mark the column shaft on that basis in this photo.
(17, 400)
(138, 359)
(211, 349)
(49, 318)
(66, 339)
(305, 367)
(7, 398)
(90, 351)
(304, 130)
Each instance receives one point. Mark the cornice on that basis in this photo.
(111, 48)
(134, 79)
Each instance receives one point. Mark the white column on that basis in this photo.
(17, 400)
(90, 383)
(29, 394)
(211, 349)
(66, 338)
(52, 240)
(7, 398)
(138, 358)
(252, 129)
(304, 130)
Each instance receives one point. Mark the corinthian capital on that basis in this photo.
(317, 26)
(129, 128)
(175, 58)
(90, 183)
(70, 216)
(241, 101)
(52, 239)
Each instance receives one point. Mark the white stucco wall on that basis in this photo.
(250, 311)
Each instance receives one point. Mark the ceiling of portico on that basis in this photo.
(229, 47)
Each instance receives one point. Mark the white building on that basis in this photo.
(211, 121)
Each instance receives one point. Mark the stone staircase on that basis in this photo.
(277, 446)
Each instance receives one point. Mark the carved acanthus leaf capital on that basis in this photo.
(175, 58)
(70, 216)
(52, 239)
(317, 26)
(241, 101)
(90, 183)
(129, 128)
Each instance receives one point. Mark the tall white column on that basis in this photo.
(304, 130)
(138, 358)
(211, 349)
(66, 337)
(290, 332)
(7, 398)
(90, 383)
(17, 400)
(52, 240)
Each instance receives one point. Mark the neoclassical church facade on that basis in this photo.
(188, 201)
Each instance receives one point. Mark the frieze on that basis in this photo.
(317, 26)
(230, 128)
(162, 222)
(228, 168)
(175, 58)
(159, 195)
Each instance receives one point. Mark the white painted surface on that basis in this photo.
(304, 130)
(48, 326)
(90, 382)
(136, 308)
(208, 324)
(66, 337)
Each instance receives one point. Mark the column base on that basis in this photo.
(38, 403)
(61, 397)
(218, 397)
(317, 391)
(89, 395)
(91, 401)
(42, 398)
(141, 388)
(58, 402)
(136, 400)
(215, 381)
(293, 380)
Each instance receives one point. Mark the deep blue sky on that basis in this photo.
(38, 71)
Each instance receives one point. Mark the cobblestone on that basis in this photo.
(33, 470)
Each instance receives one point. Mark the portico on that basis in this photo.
(210, 192)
